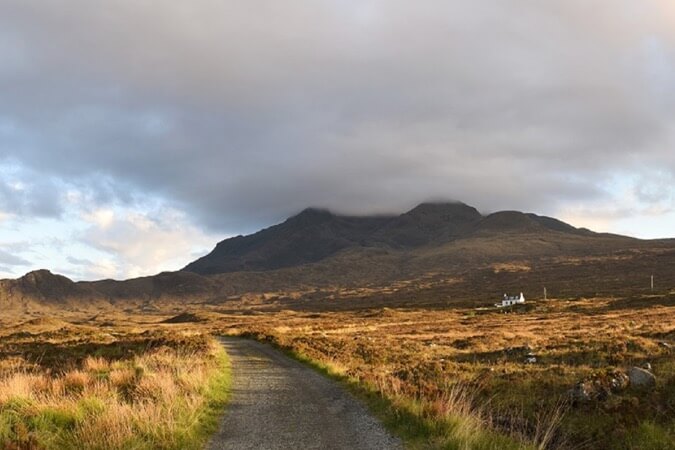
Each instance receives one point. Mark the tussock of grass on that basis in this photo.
(165, 397)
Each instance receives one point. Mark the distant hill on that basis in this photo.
(40, 287)
(314, 235)
(43, 288)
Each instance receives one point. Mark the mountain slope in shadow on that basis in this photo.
(314, 235)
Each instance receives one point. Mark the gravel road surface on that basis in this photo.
(278, 403)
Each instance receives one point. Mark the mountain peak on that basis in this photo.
(429, 222)
(516, 221)
(311, 216)
(315, 212)
(443, 209)
(41, 276)
(45, 284)
(316, 234)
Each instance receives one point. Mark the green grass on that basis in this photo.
(651, 436)
(217, 394)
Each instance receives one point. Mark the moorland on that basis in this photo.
(399, 308)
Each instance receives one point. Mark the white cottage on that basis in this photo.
(509, 300)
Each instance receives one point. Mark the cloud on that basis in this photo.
(100, 268)
(27, 194)
(240, 114)
(8, 260)
(136, 244)
(79, 261)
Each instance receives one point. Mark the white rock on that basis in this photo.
(641, 377)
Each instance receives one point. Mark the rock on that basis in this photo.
(647, 366)
(580, 393)
(664, 344)
(530, 358)
(599, 387)
(641, 378)
(618, 381)
(601, 391)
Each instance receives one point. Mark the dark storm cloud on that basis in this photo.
(242, 113)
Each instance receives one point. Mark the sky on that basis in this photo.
(136, 134)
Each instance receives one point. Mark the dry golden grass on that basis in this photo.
(510, 267)
(445, 363)
(152, 397)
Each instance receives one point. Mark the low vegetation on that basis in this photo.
(442, 369)
(452, 420)
(487, 378)
(83, 390)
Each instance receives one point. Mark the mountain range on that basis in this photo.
(317, 234)
(317, 248)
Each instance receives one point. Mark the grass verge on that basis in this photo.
(216, 397)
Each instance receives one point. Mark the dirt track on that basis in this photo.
(278, 403)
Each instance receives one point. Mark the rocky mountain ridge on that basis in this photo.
(316, 234)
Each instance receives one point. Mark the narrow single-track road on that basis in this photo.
(278, 403)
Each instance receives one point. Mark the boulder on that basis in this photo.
(641, 378)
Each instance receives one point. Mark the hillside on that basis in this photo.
(314, 235)
(42, 287)
(310, 236)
